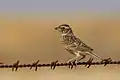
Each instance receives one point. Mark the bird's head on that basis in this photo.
(64, 28)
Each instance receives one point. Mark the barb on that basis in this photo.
(55, 64)
(15, 65)
(34, 65)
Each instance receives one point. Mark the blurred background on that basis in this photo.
(27, 34)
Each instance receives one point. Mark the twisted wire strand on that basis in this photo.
(54, 64)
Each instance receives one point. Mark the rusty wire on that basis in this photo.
(54, 64)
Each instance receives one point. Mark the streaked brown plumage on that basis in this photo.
(73, 44)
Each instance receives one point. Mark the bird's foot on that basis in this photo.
(106, 61)
(89, 62)
(72, 64)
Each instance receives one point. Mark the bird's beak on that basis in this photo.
(56, 28)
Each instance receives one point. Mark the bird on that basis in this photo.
(75, 45)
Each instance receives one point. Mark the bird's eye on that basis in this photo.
(63, 28)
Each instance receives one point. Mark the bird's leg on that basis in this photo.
(73, 62)
(73, 59)
(89, 62)
(83, 56)
(80, 58)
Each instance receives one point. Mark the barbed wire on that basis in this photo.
(55, 64)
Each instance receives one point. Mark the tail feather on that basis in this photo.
(95, 55)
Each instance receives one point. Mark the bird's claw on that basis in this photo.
(72, 64)
(89, 62)
(106, 61)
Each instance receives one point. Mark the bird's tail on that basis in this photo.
(95, 55)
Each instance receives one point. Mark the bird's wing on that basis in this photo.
(83, 45)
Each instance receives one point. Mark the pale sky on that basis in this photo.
(58, 5)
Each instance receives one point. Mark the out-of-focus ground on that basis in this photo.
(28, 38)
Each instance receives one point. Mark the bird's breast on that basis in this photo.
(67, 39)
